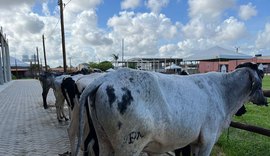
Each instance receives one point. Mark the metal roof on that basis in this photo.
(216, 53)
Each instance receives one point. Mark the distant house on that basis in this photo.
(215, 58)
(18, 67)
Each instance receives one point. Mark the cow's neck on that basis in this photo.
(237, 89)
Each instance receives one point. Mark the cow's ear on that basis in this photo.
(255, 82)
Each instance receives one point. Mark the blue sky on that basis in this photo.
(150, 28)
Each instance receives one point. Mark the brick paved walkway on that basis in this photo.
(26, 129)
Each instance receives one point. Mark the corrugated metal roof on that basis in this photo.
(216, 53)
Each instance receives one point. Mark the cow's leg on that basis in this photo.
(69, 113)
(185, 151)
(178, 152)
(71, 135)
(106, 147)
(128, 151)
(206, 148)
(58, 114)
(207, 142)
(58, 106)
(73, 128)
(61, 106)
(44, 97)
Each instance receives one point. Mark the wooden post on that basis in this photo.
(38, 62)
(251, 128)
(44, 51)
(60, 3)
(266, 93)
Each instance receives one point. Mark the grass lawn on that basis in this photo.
(237, 142)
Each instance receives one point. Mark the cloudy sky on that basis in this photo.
(150, 28)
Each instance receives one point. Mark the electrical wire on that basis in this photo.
(65, 4)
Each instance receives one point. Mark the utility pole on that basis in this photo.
(38, 62)
(44, 51)
(122, 51)
(34, 66)
(60, 3)
(70, 63)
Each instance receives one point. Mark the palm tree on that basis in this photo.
(115, 58)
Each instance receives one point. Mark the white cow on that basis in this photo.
(59, 98)
(72, 89)
(135, 111)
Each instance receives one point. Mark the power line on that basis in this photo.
(65, 4)
(54, 27)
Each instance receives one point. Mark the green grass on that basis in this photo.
(266, 82)
(237, 142)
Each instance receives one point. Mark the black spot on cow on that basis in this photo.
(131, 79)
(111, 95)
(126, 100)
(119, 124)
(199, 84)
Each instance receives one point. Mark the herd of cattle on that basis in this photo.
(127, 112)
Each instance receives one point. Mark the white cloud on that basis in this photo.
(157, 5)
(130, 4)
(171, 50)
(45, 9)
(15, 3)
(22, 28)
(76, 7)
(208, 9)
(230, 30)
(195, 29)
(205, 18)
(263, 38)
(247, 11)
(146, 34)
(142, 32)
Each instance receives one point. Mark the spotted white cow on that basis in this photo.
(134, 111)
(71, 89)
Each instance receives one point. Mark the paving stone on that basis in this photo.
(26, 129)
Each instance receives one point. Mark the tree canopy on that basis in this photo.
(104, 65)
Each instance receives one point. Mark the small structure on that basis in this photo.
(151, 64)
(5, 71)
(215, 58)
(18, 68)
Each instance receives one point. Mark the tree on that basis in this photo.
(105, 65)
(93, 65)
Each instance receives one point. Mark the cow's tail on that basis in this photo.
(88, 93)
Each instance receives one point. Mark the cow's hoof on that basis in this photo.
(66, 119)
(45, 107)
